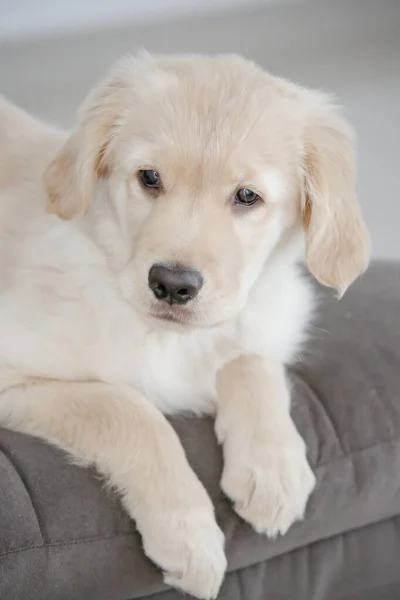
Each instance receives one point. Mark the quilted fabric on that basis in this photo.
(63, 537)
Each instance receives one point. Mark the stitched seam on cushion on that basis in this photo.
(388, 442)
(46, 545)
(315, 397)
(240, 584)
(8, 455)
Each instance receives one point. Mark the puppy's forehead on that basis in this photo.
(212, 106)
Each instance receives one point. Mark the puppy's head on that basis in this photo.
(197, 171)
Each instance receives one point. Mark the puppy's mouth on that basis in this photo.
(172, 314)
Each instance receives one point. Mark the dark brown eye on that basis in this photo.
(246, 197)
(150, 178)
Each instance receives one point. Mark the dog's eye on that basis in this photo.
(150, 178)
(246, 197)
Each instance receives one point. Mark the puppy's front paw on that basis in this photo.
(269, 484)
(189, 547)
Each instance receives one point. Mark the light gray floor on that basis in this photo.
(351, 48)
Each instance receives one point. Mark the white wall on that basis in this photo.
(33, 18)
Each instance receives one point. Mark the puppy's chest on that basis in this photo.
(176, 372)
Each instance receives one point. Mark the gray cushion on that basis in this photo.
(62, 536)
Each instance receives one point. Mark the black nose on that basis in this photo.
(174, 284)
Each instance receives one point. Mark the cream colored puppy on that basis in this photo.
(165, 279)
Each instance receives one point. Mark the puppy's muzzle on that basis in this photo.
(174, 284)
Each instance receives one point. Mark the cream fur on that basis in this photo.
(85, 361)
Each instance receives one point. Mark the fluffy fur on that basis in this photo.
(89, 359)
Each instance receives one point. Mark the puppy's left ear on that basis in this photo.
(338, 245)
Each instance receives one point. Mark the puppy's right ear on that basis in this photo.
(70, 178)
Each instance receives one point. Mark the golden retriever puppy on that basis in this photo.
(148, 265)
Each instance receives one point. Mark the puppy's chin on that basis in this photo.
(175, 316)
(172, 317)
(185, 318)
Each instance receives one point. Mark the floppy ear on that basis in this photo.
(337, 245)
(70, 178)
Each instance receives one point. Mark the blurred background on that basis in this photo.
(53, 51)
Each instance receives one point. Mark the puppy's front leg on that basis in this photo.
(132, 445)
(266, 473)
